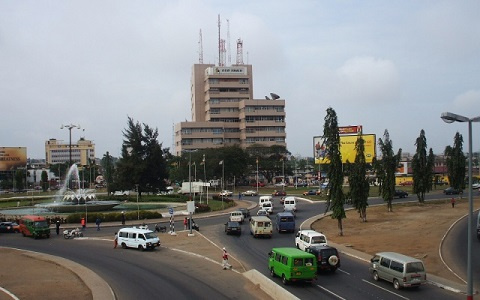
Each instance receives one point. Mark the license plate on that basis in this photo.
(298, 273)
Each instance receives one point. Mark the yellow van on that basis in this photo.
(261, 226)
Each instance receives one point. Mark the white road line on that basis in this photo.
(9, 294)
(330, 292)
(398, 295)
(345, 272)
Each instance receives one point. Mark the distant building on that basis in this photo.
(57, 152)
(224, 112)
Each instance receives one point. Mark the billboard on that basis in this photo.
(12, 158)
(347, 148)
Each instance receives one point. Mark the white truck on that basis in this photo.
(196, 187)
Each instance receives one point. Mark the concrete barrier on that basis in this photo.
(268, 286)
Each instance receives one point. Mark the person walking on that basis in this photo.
(225, 263)
(453, 202)
(98, 221)
(57, 227)
(123, 218)
(83, 223)
(185, 222)
(115, 241)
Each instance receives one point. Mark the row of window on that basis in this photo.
(253, 140)
(251, 119)
(259, 108)
(227, 80)
(210, 141)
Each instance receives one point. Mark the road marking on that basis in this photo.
(345, 272)
(9, 294)
(398, 295)
(330, 292)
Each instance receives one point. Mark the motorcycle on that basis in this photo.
(70, 234)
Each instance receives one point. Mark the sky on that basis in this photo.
(385, 65)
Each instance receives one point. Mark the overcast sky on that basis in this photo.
(394, 65)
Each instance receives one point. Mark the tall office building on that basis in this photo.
(224, 112)
(57, 152)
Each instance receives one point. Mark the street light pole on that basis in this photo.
(450, 118)
(70, 127)
(257, 175)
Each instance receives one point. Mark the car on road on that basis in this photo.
(476, 186)
(232, 227)
(226, 193)
(312, 192)
(451, 191)
(400, 194)
(245, 212)
(328, 258)
(10, 227)
(250, 193)
(262, 212)
(279, 193)
(236, 216)
(308, 238)
(280, 184)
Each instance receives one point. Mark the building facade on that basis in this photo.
(57, 152)
(224, 112)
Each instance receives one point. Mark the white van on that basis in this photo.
(261, 226)
(308, 238)
(139, 238)
(401, 270)
(290, 204)
(236, 216)
(263, 199)
(268, 206)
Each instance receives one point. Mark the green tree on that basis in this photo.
(19, 179)
(44, 180)
(386, 168)
(456, 163)
(359, 186)
(108, 167)
(422, 166)
(270, 162)
(335, 198)
(142, 162)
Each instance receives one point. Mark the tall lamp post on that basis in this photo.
(70, 127)
(449, 117)
(257, 175)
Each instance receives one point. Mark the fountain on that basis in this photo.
(76, 200)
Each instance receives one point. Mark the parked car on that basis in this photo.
(250, 193)
(400, 194)
(260, 184)
(301, 184)
(226, 193)
(233, 228)
(279, 193)
(9, 227)
(476, 186)
(451, 191)
(280, 184)
(312, 192)
(327, 257)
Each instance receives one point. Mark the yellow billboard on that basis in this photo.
(347, 148)
(12, 158)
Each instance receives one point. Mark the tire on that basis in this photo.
(375, 276)
(140, 247)
(333, 260)
(124, 246)
(396, 284)
(298, 247)
(23, 233)
(80, 234)
(284, 280)
(272, 272)
(66, 236)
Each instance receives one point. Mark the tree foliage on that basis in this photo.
(359, 186)
(142, 162)
(422, 166)
(456, 163)
(336, 198)
(386, 168)
(44, 180)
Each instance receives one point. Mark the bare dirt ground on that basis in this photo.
(413, 229)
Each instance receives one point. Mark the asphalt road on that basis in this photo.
(150, 275)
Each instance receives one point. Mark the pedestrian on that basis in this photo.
(83, 223)
(98, 221)
(225, 263)
(185, 222)
(123, 218)
(453, 202)
(115, 241)
(57, 227)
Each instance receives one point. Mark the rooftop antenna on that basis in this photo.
(228, 44)
(200, 49)
(220, 63)
(239, 52)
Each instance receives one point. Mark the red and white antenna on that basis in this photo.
(239, 52)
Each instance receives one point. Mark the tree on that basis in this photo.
(107, 165)
(142, 161)
(335, 198)
(386, 168)
(269, 159)
(44, 180)
(359, 186)
(422, 166)
(456, 163)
